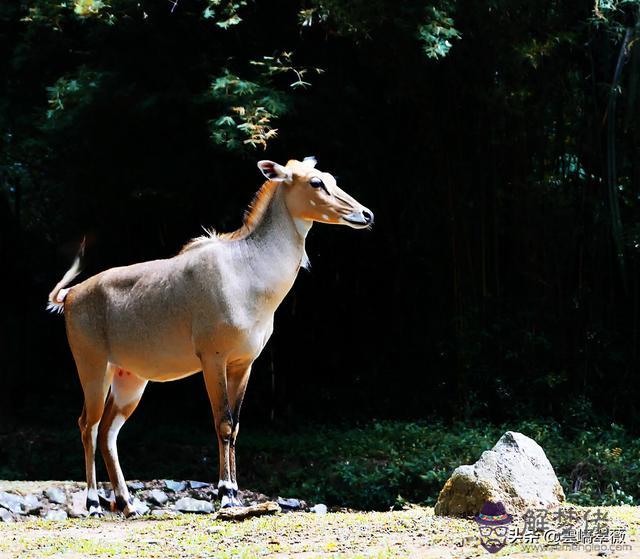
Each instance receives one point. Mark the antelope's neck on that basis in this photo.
(275, 249)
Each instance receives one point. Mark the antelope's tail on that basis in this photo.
(56, 297)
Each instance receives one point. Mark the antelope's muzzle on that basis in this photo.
(363, 218)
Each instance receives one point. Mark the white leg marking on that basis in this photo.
(228, 499)
(92, 492)
(94, 435)
(112, 434)
(92, 495)
(228, 484)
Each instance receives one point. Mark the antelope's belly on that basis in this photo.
(161, 361)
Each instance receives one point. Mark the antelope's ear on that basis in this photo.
(273, 171)
(310, 161)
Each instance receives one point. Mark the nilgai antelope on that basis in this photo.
(210, 308)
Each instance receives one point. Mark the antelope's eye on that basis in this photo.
(316, 182)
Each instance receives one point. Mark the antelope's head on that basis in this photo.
(312, 195)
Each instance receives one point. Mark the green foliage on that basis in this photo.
(437, 35)
(225, 12)
(377, 465)
(250, 107)
(595, 466)
(59, 15)
(615, 16)
(72, 92)
(88, 7)
(604, 9)
(364, 18)
(359, 18)
(383, 464)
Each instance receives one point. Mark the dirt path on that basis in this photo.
(415, 532)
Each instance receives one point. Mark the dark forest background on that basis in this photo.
(496, 141)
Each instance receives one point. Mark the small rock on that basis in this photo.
(198, 484)
(6, 516)
(135, 485)
(164, 513)
(56, 495)
(140, 507)
(319, 509)
(187, 504)
(11, 502)
(55, 514)
(252, 496)
(289, 503)
(240, 513)
(32, 504)
(175, 486)
(106, 493)
(78, 508)
(158, 497)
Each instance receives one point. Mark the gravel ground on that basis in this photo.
(414, 532)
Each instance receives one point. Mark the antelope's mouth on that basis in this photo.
(359, 220)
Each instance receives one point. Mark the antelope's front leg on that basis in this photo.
(237, 385)
(215, 378)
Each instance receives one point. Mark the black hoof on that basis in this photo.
(102, 502)
(230, 503)
(228, 497)
(121, 503)
(94, 509)
(125, 507)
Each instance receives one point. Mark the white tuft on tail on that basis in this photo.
(57, 305)
(57, 296)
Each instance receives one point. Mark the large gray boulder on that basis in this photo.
(515, 472)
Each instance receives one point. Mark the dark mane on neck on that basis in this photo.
(252, 217)
(255, 212)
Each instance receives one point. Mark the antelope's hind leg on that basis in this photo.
(126, 391)
(95, 377)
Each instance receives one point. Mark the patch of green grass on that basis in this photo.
(374, 466)
(385, 464)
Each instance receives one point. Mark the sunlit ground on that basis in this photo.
(414, 532)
